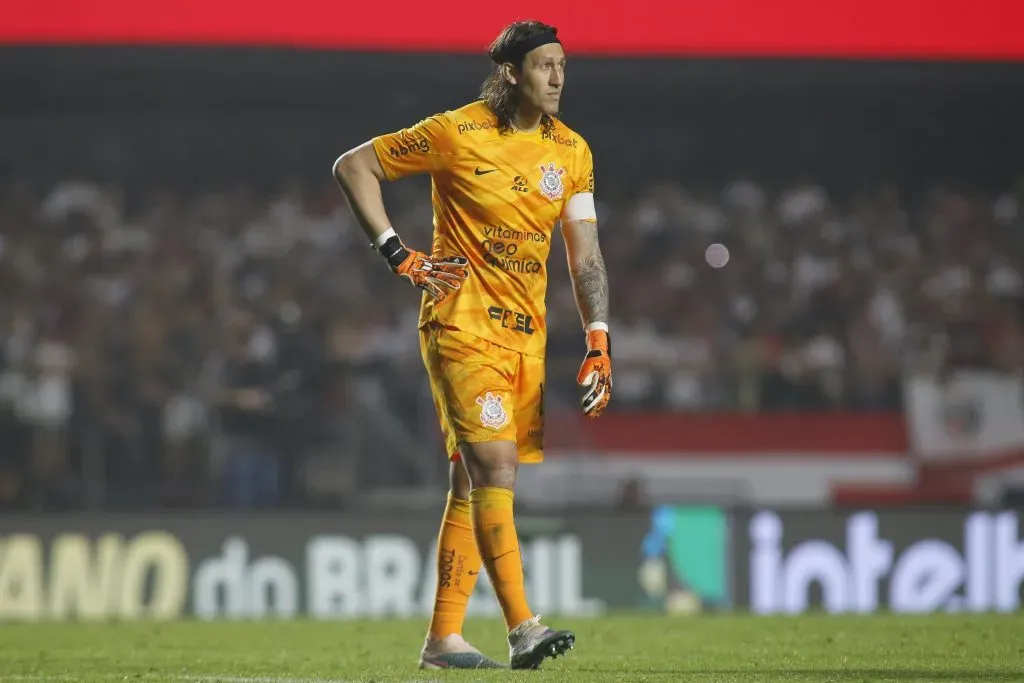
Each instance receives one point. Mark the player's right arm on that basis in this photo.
(359, 172)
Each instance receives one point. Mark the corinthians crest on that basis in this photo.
(551, 181)
(492, 413)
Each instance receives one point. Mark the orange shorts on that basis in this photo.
(484, 392)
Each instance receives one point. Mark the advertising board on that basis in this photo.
(285, 565)
(902, 561)
(673, 559)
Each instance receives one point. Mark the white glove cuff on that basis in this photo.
(384, 237)
(596, 326)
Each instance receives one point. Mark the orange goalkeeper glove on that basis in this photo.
(437, 277)
(596, 373)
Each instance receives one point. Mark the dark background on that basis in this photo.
(196, 115)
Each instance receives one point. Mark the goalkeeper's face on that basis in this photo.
(542, 77)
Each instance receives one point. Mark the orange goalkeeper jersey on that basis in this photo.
(497, 198)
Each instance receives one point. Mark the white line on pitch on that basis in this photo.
(183, 678)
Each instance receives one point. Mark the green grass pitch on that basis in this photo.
(941, 648)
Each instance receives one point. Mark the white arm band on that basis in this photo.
(580, 207)
(596, 326)
(384, 237)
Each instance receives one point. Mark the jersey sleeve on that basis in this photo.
(583, 176)
(423, 148)
(580, 204)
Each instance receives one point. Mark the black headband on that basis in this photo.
(517, 52)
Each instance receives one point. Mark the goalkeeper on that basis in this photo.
(504, 171)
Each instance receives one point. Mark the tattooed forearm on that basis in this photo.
(590, 283)
(586, 266)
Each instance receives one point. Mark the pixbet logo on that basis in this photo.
(928, 575)
(470, 126)
(559, 139)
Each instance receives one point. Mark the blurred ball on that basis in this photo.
(682, 602)
(716, 255)
(653, 576)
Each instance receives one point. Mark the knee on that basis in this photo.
(494, 463)
(458, 477)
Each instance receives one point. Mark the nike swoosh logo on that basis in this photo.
(472, 573)
(479, 172)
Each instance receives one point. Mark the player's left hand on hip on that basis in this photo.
(596, 373)
(438, 277)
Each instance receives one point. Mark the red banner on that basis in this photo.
(911, 29)
(673, 434)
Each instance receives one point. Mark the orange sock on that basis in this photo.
(491, 510)
(458, 563)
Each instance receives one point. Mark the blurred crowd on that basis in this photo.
(245, 348)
